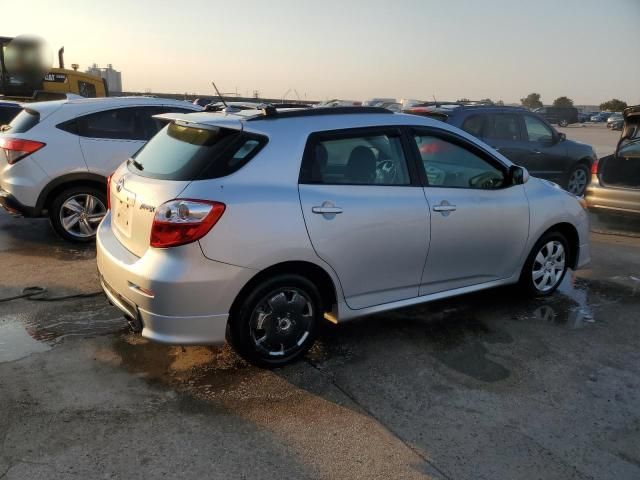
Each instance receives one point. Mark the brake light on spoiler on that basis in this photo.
(15, 149)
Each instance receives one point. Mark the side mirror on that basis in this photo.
(519, 175)
(562, 137)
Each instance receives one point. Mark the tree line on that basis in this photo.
(532, 101)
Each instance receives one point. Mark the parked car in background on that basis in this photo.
(617, 124)
(615, 184)
(614, 118)
(526, 139)
(8, 110)
(55, 156)
(257, 226)
(583, 117)
(601, 117)
(336, 102)
(201, 102)
(561, 116)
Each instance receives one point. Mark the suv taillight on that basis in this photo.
(594, 167)
(16, 149)
(183, 221)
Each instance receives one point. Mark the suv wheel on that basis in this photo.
(277, 321)
(76, 213)
(578, 179)
(563, 123)
(546, 265)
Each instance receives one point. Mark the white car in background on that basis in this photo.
(55, 156)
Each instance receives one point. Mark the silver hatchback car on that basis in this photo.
(256, 226)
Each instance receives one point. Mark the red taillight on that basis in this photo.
(183, 221)
(109, 192)
(594, 167)
(16, 148)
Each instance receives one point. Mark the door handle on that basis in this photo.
(497, 149)
(324, 210)
(536, 151)
(444, 208)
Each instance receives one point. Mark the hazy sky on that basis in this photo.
(501, 49)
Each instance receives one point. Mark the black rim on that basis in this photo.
(281, 322)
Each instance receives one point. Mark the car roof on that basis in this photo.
(305, 122)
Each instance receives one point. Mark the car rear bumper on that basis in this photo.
(12, 205)
(174, 295)
(611, 199)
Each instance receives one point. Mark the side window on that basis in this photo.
(118, 124)
(357, 160)
(537, 130)
(503, 127)
(473, 125)
(449, 165)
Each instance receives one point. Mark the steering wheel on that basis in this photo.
(486, 180)
(388, 170)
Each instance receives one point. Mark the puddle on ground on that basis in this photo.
(15, 342)
(48, 324)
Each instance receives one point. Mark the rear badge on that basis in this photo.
(148, 208)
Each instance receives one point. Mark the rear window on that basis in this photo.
(24, 121)
(7, 114)
(181, 152)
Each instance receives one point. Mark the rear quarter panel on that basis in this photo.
(263, 223)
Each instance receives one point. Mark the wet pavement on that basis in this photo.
(484, 386)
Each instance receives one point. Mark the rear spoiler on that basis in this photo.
(195, 120)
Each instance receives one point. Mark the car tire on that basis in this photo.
(543, 272)
(277, 321)
(76, 212)
(563, 123)
(578, 179)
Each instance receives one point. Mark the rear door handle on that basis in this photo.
(326, 210)
(536, 151)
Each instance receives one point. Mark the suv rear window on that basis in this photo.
(24, 121)
(181, 152)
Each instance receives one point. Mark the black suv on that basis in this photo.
(562, 116)
(524, 138)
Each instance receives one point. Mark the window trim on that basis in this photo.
(327, 135)
(459, 141)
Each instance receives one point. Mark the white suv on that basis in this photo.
(55, 156)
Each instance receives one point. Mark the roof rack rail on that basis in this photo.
(273, 113)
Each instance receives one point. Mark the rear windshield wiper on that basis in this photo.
(136, 164)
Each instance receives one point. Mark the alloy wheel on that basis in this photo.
(281, 322)
(81, 214)
(548, 266)
(577, 181)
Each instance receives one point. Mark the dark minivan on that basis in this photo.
(562, 116)
(524, 138)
